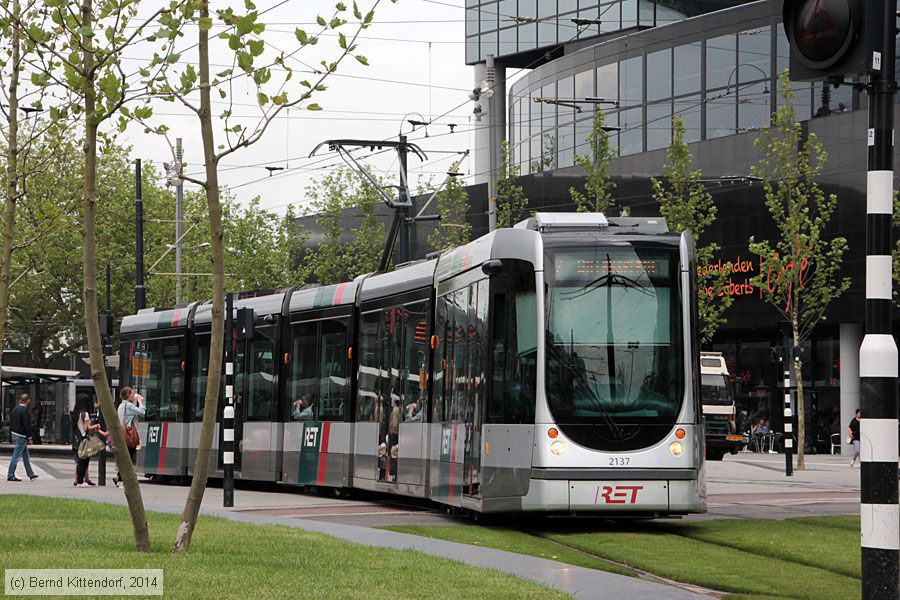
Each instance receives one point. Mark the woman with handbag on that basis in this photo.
(81, 427)
(131, 407)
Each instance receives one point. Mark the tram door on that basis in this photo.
(254, 402)
(474, 399)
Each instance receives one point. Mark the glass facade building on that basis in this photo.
(506, 28)
(717, 72)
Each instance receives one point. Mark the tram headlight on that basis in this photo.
(676, 448)
(558, 448)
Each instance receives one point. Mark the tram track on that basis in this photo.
(636, 572)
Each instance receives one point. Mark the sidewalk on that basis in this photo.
(276, 508)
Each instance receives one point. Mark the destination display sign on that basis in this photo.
(592, 265)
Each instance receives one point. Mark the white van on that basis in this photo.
(717, 395)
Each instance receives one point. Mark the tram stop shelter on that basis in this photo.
(51, 389)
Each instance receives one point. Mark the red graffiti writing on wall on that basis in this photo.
(741, 271)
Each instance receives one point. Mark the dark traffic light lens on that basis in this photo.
(822, 30)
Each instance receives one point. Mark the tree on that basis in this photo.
(345, 253)
(599, 185)
(453, 205)
(800, 275)
(511, 201)
(19, 57)
(88, 65)
(687, 205)
(270, 76)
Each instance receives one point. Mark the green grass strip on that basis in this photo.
(712, 566)
(658, 548)
(811, 542)
(236, 560)
(511, 541)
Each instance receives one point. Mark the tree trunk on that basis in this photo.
(92, 326)
(12, 178)
(201, 466)
(801, 408)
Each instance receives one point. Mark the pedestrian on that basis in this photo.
(130, 407)
(853, 437)
(37, 423)
(81, 425)
(20, 431)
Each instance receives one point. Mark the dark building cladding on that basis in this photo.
(718, 70)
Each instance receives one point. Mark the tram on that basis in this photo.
(551, 367)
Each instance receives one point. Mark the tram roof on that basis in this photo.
(500, 244)
(405, 279)
(270, 304)
(149, 319)
(323, 297)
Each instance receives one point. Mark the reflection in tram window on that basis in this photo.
(261, 377)
(155, 373)
(369, 365)
(319, 371)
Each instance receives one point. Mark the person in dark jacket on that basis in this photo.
(20, 430)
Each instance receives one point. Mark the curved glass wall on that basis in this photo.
(719, 84)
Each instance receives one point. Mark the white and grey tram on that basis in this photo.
(550, 367)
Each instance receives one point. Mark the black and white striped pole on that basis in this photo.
(788, 412)
(879, 514)
(228, 412)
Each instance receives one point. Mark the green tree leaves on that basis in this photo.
(345, 253)
(687, 205)
(599, 185)
(511, 201)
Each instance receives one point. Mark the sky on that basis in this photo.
(408, 78)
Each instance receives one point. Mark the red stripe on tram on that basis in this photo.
(176, 317)
(452, 461)
(338, 294)
(162, 446)
(323, 454)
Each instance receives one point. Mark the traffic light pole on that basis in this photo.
(880, 517)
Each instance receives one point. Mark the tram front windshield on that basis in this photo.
(615, 375)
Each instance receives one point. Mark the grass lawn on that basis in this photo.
(830, 543)
(808, 558)
(236, 560)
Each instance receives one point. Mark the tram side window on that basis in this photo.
(303, 373)
(261, 377)
(198, 381)
(514, 346)
(145, 373)
(332, 375)
(369, 365)
(442, 379)
(415, 360)
(171, 382)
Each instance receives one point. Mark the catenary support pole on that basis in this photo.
(405, 222)
(140, 293)
(228, 411)
(492, 147)
(879, 515)
(179, 217)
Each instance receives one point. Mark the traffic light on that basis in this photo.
(244, 323)
(832, 39)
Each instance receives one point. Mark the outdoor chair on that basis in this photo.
(835, 443)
